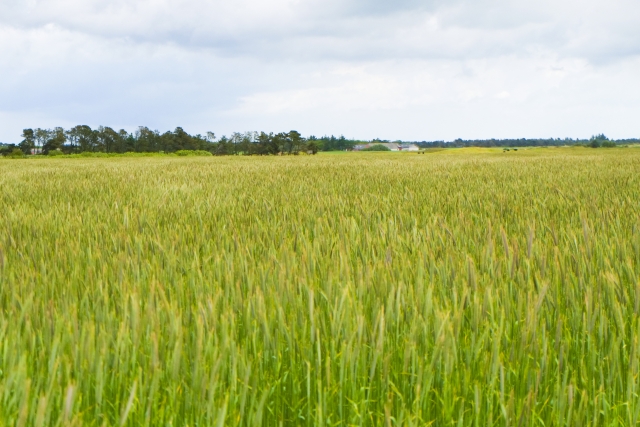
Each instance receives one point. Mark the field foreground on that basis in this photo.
(452, 288)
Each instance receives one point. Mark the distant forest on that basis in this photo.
(104, 139)
(594, 141)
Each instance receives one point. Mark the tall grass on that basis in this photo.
(370, 289)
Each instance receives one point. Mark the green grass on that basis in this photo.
(455, 289)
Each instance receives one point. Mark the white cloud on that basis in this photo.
(407, 69)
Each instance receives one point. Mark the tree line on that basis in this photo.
(82, 138)
(595, 141)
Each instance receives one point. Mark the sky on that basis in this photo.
(403, 69)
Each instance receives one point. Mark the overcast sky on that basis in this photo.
(403, 69)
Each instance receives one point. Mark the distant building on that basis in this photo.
(409, 147)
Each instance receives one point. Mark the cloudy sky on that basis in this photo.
(403, 69)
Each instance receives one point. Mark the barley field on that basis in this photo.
(456, 288)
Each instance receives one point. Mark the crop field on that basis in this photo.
(456, 288)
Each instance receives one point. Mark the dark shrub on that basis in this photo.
(377, 147)
(16, 154)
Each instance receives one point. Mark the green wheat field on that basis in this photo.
(467, 287)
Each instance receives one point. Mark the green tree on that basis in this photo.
(597, 141)
(313, 147)
(147, 140)
(108, 140)
(241, 142)
(41, 138)
(55, 141)
(183, 141)
(317, 142)
(223, 147)
(125, 142)
(277, 143)
(263, 141)
(29, 142)
(211, 137)
(84, 139)
(72, 137)
(295, 141)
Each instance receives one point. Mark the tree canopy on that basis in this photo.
(83, 139)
